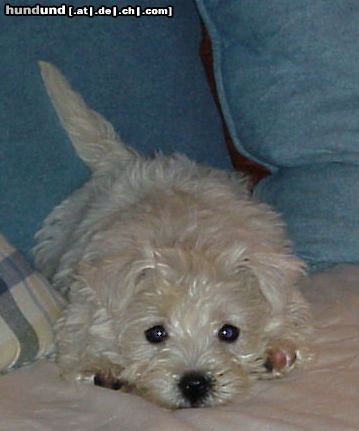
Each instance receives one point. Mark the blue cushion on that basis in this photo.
(288, 80)
(144, 74)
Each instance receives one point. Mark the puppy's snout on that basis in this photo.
(195, 387)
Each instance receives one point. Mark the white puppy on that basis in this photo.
(180, 286)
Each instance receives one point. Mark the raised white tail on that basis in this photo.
(91, 134)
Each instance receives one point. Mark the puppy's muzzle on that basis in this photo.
(195, 387)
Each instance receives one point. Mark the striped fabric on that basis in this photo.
(28, 310)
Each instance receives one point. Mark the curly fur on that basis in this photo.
(165, 241)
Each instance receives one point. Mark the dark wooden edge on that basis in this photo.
(253, 170)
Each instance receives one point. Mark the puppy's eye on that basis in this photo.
(156, 334)
(228, 333)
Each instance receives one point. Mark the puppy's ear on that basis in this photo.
(276, 270)
(91, 134)
(277, 274)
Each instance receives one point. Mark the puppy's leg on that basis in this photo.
(86, 341)
(287, 345)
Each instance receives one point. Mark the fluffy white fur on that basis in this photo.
(165, 241)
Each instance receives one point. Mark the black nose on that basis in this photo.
(195, 387)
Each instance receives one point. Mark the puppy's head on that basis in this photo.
(190, 330)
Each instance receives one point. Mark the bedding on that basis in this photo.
(29, 307)
(324, 397)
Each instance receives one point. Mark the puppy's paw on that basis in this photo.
(106, 379)
(104, 375)
(279, 360)
(280, 357)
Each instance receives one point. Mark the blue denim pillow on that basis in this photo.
(143, 74)
(288, 79)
